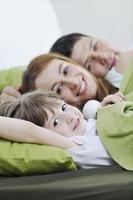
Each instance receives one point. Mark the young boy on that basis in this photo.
(45, 109)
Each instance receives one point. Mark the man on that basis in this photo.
(92, 53)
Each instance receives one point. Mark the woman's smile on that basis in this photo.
(82, 87)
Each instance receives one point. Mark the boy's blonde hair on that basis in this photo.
(32, 106)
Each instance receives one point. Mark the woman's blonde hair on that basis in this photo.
(38, 64)
(35, 67)
(32, 106)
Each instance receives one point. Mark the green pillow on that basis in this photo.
(29, 159)
(115, 125)
(11, 76)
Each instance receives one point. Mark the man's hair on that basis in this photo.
(32, 106)
(64, 45)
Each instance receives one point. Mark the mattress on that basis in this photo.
(106, 183)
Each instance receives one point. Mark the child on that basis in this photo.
(46, 110)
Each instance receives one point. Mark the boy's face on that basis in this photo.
(95, 55)
(66, 120)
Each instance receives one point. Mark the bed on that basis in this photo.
(106, 183)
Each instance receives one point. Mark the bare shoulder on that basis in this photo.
(124, 61)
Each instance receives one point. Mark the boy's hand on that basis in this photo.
(113, 98)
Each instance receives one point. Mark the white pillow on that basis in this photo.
(27, 28)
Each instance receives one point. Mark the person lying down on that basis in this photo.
(45, 109)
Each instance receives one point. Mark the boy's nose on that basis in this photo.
(69, 118)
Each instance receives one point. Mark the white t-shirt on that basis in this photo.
(91, 152)
(114, 77)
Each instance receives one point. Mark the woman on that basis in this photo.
(69, 80)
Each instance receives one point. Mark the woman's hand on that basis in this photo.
(11, 91)
(113, 98)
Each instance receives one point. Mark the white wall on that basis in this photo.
(111, 20)
(27, 29)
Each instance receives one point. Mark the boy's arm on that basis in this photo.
(24, 131)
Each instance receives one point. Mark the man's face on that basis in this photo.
(95, 55)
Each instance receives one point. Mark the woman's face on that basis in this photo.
(95, 55)
(69, 81)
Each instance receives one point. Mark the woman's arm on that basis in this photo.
(90, 107)
(113, 98)
(24, 131)
(11, 91)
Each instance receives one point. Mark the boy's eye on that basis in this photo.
(64, 106)
(65, 72)
(56, 122)
(59, 89)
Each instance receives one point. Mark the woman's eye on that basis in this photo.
(64, 106)
(89, 66)
(59, 89)
(56, 122)
(65, 72)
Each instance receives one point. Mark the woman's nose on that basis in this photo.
(73, 85)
